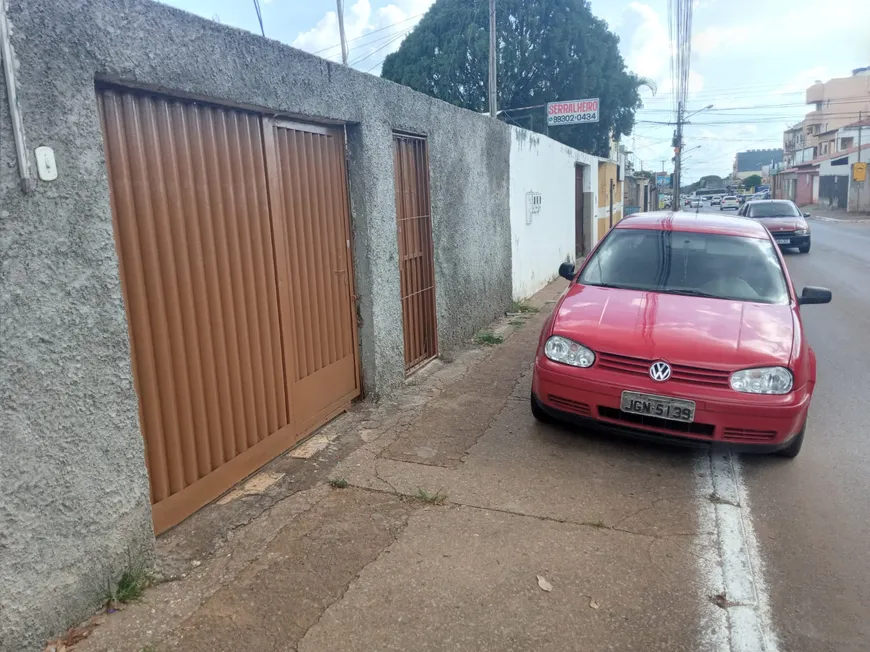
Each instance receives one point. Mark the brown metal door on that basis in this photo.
(206, 285)
(416, 257)
(309, 183)
(578, 211)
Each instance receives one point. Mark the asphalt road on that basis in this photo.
(812, 514)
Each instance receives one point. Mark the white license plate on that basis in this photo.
(663, 407)
(783, 241)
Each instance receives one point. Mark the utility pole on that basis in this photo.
(339, 5)
(493, 104)
(858, 192)
(678, 147)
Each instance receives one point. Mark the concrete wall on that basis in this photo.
(75, 506)
(542, 165)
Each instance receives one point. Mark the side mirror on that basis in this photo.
(814, 295)
(566, 270)
(806, 214)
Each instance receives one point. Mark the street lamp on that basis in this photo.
(709, 106)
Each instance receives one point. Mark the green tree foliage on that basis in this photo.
(548, 50)
(751, 181)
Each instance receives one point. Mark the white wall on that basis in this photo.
(542, 165)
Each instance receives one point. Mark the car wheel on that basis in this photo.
(538, 412)
(805, 249)
(791, 451)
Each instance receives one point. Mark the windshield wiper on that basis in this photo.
(690, 293)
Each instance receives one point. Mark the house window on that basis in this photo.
(846, 143)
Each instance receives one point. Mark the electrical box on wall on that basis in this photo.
(533, 205)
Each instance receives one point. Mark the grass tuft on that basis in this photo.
(434, 499)
(488, 339)
(339, 483)
(522, 307)
(130, 587)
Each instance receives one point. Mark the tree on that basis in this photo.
(751, 181)
(547, 50)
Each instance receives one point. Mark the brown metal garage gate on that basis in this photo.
(233, 237)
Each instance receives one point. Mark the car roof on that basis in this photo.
(694, 223)
(770, 201)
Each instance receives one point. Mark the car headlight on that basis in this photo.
(801, 231)
(561, 349)
(762, 380)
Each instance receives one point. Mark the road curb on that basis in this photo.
(821, 218)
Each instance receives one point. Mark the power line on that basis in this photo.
(374, 31)
(395, 38)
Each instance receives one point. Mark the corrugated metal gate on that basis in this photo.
(224, 286)
(416, 256)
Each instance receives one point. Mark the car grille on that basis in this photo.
(783, 234)
(739, 434)
(679, 373)
(615, 414)
(570, 406)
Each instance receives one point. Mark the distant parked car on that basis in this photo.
(729, 201)
(695, 203)
(715, 200)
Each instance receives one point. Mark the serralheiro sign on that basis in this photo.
(572, 112)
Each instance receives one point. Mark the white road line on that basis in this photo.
(736, 575)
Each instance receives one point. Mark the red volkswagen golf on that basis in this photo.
(681, 325)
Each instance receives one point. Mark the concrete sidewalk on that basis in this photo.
(829, 214)
(465, 525)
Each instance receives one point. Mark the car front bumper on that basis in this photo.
(746, 422)
(795, 241)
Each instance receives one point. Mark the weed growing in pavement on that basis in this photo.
(129, 588)
(339, 483)
(435, 499)
(516, 322)
(488, 339)
(522, 307)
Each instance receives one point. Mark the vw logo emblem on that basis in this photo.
(660, 371)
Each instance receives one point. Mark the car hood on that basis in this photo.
(696, 331)
(774, 224)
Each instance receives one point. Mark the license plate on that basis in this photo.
(783, 241)
(663, 407)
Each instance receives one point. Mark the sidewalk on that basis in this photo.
(828, 214)
(465, 525)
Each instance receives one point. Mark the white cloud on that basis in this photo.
(717, 40)
(371, 35)
(648, 53)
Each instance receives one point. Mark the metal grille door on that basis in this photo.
(235, 273)
(307, 173)
(578, 212)
(416, 257)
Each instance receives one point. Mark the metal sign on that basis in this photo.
(572, 112)
(663, 179)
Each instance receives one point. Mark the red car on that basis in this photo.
(681, 326)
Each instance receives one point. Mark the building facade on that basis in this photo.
(754, 161)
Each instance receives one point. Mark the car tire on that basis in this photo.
(538, 412)
(805, 249)
(791, 451)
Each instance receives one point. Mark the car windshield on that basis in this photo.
(696, 264)
(774, 209)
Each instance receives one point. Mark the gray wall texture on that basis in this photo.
(74, 500)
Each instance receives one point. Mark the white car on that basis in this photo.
(695, 203)
(715, 200)
(729, 201)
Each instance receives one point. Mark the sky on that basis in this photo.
(751, 59)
